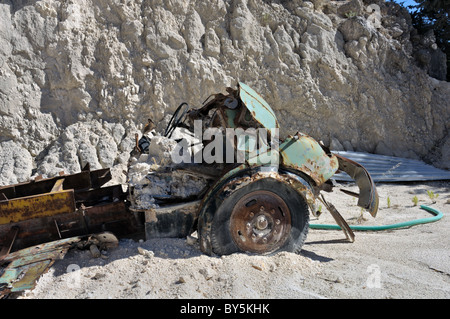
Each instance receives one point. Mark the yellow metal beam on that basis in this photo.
(43, 205)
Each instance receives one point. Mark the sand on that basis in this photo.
(403, 263)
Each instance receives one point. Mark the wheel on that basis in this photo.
(263, 217)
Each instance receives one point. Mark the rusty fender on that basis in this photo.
(368, 195)
(290, 179)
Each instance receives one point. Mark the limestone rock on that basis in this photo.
(78, 78)
(351, 8)
(17, 163)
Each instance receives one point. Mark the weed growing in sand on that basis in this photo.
(388, 202)
(415, 200)
(432, 196)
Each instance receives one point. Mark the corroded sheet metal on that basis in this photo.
(304, 154)
(171, 220)
(339, 219)
(258, 107)
(22, 268)
(78, 181)
(368, 196)
(49, 204)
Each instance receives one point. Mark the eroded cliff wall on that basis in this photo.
(79, 77)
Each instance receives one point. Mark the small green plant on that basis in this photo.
(432, 196)
(266, 18)
(350, 14)
(389, 202)
(415, 200)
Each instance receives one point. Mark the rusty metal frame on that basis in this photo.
(43, 210)
(83, 180)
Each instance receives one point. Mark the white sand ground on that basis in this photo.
(403, 263)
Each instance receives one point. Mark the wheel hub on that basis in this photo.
(260, 222)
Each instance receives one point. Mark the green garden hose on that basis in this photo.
(437, 216)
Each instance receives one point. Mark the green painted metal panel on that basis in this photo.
(258, 107)
(303, 153)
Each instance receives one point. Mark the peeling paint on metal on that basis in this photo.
(19, 209)
(22, 268)
(304, 154)
(258, 107)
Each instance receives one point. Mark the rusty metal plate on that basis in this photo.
(45, 229)
(19, 209)
(303, 153)
(113, 217)
(21, 269)
(368, 195)
(171, 221)
(79, 181)
(100, 195)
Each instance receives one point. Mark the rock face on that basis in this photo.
(78, 78)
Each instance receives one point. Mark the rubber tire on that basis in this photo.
(221, 240)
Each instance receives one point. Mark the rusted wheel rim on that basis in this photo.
(260, 222)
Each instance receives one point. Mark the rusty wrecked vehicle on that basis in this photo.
(221, 171)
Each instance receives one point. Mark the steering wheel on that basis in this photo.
(176, 119)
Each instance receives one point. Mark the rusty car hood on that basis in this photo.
(258, 107)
